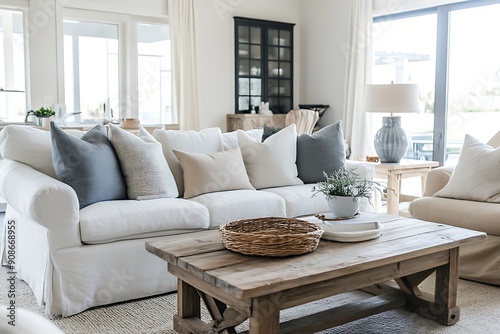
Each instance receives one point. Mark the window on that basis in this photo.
(403, 54)
(155, 73)
(116, 66)
(464, 96)
(91, 69)
(12, 71)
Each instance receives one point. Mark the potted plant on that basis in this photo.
(343, 190)
(40, 114)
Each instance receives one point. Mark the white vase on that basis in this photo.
(341, 206)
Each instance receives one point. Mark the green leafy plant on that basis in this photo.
(345, 182)
(44, 112)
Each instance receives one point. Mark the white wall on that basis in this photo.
(323, 35)
(215, 47)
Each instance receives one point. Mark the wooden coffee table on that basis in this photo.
(236, 287)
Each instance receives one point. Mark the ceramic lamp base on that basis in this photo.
(391, 142)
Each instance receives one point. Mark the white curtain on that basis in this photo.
(357, 127)
(184, 68)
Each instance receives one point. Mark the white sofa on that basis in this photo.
(75, 259)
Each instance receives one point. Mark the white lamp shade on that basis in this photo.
(392, 98)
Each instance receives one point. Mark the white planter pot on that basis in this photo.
(341, 206)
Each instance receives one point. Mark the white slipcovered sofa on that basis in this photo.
(75, 258)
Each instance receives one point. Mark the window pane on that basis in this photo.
(12, 71)
(474, 76)
(404, 52)
(91, 70)
(154, 69)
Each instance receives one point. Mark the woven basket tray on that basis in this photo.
(271, 236)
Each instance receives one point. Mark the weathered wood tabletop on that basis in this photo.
(408, 251)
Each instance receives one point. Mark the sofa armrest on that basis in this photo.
(437, 178)
(37, 196)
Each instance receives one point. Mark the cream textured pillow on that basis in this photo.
(143, 165)
(205, 141)
(272, 162)
(205, 173)
(476, 176)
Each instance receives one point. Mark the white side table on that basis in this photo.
(395, 173)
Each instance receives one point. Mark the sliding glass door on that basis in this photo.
(452, 52)
(474, 75)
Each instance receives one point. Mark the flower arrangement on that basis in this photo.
(345, 182)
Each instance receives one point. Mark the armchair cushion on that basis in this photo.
(477, 174)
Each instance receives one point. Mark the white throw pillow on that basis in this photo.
(230, 139)
(272, 162)
(205, 173)
(495, 140)
(31, 146)
(143, 165)
(476, 176)
(205, 141)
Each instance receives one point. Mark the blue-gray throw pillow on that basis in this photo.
(322, 151)
(88, 164)
(269, 131)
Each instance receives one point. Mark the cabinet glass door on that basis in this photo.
(279, 70)
(249, 62)
(264, 65)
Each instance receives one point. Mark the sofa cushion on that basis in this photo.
(272, 162)
(121, 220)
(204, 173)
(205, 141)
(299, 200)
(227, 206)
(476, 177)
(322, 151)
(88, 164)
(31, 146)
(480, 216)
(144, 167)
(230, 139)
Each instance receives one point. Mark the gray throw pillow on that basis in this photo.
(88, 164)
(322, 151)
(268, 131)
(144, 166)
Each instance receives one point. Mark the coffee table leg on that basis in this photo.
(446, 308)
(265, 317)
(188, 305)
(442, 306)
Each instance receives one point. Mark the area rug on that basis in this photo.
(479, 303)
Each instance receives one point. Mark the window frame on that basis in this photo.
(127, 54)
(442, 56)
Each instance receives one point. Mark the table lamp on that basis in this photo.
(390, 141)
